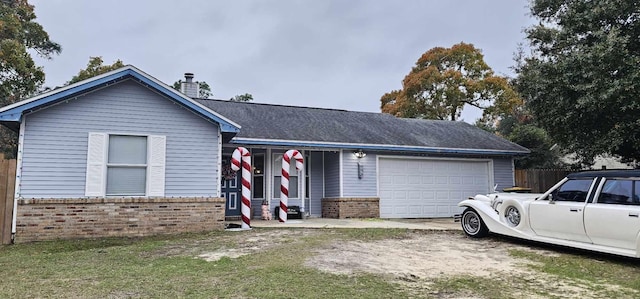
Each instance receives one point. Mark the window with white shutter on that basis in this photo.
(125, 165)
(96, 162)
(157, 153)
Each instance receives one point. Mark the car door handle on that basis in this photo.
(573, 210)
(634, 215)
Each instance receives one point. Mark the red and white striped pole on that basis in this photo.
(243, 154)
(284, 180)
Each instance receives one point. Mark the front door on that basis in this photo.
(562, 218)
(231, 188)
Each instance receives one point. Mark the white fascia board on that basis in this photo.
(131, 68)
(61, 89)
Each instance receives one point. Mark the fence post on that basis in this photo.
(7, 182)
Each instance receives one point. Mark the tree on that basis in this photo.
(582, 80)
(94, 68)
(444, 80)
(247, 97)
(20, 77)
(543, 153)
(204, 90)
(520, 128)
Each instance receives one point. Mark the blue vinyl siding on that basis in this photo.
(354, 186)
(503, 173)
(331, 174)
(316, 184)
(55, 141)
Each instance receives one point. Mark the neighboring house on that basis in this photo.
(600, 162)
(124, 154)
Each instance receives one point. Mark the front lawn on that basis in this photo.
(167, 267)
(312, 263)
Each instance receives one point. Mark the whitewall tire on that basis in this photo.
(512, 214)
(472, 224)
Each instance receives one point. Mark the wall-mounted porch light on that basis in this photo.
(359, 154)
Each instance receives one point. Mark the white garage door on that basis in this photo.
(417, 188)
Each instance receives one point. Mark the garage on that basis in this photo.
(427, 188)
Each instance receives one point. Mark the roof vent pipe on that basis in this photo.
(188, 77)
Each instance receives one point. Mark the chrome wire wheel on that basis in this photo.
(472, 224)
(512, 216)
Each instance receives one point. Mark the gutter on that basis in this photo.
(382, 147)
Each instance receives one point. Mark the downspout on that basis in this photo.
(324, 191)
(219, 162)
(513, 172)
(341, 174)
(16, 195)
(303, 186)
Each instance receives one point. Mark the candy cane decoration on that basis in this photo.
(245, 155)
(284, 181)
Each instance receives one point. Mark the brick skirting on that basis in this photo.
(49, 219)
(368, 207)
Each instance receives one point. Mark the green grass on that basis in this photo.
(587, 266)
(130, 268)
(167, 267)
(561, 274)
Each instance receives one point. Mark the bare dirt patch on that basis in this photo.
(420, 257)
(247, 243)
(418, 261)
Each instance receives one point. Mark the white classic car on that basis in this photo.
(592, 210)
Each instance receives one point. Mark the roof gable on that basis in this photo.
(14, 112)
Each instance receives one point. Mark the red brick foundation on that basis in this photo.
(48, 219)
(351, 207)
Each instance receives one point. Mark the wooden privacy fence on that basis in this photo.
(539, 180)
(7, 189)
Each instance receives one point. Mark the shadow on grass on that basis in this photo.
(65, 246)
(583, 253)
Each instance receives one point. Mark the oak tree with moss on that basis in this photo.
(247, 97)
(95, 67)
(20, 77)
(444, 80)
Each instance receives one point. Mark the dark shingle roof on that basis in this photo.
(276, 122)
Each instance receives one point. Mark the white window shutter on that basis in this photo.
(157, 155)
(96, 163)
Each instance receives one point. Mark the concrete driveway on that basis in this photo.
(424, 224)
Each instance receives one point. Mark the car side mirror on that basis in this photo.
(551, 198)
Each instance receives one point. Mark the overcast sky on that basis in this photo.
(332, 54)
